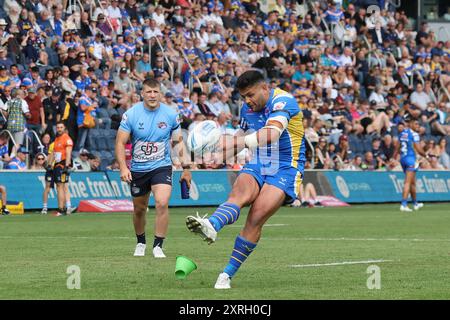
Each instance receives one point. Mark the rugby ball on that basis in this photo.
(205, 135)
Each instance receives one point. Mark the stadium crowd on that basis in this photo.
(355, 74)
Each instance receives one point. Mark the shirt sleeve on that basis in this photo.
(415, 137)
(25, 108)
(125, 124)
(283, 106)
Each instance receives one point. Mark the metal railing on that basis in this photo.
(419, 76)
(106, 16)
(33, 133)
(442, 90)
(313, 151)
(371, 51)
(171, 69)
(311, 4)
(192, 70)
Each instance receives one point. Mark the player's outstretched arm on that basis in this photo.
(121, 140)
(270, 133)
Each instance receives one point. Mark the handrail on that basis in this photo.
(339, 24)
(395, 61)
(103, 9)
(10, 135)
(444, 89)
(397, 5)
(371, 50)
(312, 150)
(171, 69)
(219, 82)
(318, 15)
(191, 69)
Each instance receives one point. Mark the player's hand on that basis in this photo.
(125, 175)
(186, 176)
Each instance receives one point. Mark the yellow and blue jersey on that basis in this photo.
(281, 163)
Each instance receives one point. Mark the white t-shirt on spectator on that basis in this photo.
(149, 33)
(420, 99)
(378, 98)
(114, 12)
(159, 18)
(345, 61)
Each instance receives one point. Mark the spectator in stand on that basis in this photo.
(19, 161)
(81, 163)
(4, 152)
(17, 113)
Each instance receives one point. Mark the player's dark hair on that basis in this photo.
(248, 79)
(151, 82)
(61, 122)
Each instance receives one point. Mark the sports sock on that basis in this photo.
(415, 202)
(241, 251)
(44, 206)
(226, 213)
(141, 238)
(158, 241)
(404, 202)
(68, 204)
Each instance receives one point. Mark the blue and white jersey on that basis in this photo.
(407, 139)
(150, 131)
(289, 150)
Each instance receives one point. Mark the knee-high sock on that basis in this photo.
(226, 213)
(241, 251)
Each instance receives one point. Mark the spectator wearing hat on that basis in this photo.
(81, 163)
(53, 107)
(5, 81)
(17, 113)
(19, 161)
(342, 149)
(4, 35)
(123, 84)
(187, 112)
(170, 101)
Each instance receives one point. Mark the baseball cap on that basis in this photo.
(169, 94)
(32, 89)
(186, 100)
(177, 7)
(22, 149)
(3, 22)
(27, 82)
(2, 67)
(56, 92)
(123, 70)
(343, 138)
(84, 151)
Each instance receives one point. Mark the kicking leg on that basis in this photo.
(245, 190)
(266, 204)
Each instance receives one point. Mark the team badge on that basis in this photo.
(279, 106)
(162, 125)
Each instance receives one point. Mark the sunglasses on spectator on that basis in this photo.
(40, 158)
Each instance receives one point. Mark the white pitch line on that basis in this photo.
(337, 263)
(266, 225)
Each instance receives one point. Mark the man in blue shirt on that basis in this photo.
(408, 145)
(150, 125)
(19, 161)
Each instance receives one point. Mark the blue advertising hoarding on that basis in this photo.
(360, 187)
(208, 187)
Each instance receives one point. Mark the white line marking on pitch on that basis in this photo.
(266, 225)
(337, 263)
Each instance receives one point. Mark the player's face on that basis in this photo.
(152, 96)
(256, 96)
(415, 125)
(60, 129)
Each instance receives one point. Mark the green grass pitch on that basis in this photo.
(413, 250)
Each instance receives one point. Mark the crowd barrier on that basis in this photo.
(212, 187)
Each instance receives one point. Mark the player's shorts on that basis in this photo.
(60, 176)
(408, 164)
(50, 178)
(142, 182)
(286, 178)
